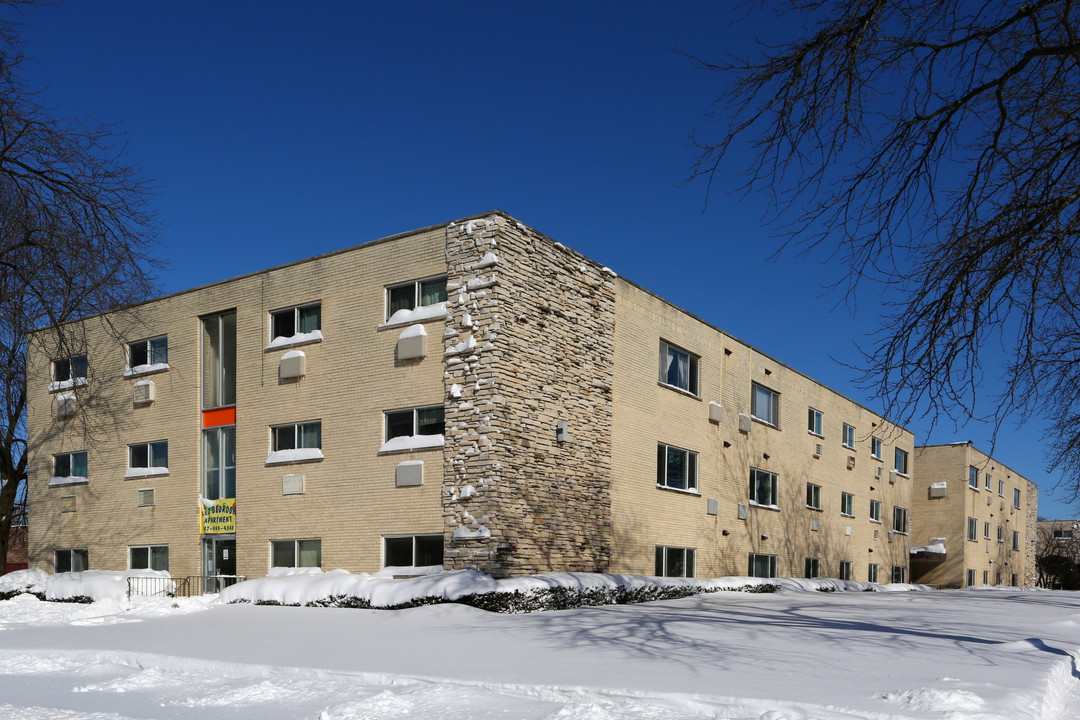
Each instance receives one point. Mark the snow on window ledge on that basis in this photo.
(412, 442)
(678, 389)
(70, 480)
(140, 472)
(67, 384)
(764, 507)
(146, 369)
(408, 317)
(684, 491)
(315, 336)
(278, 457)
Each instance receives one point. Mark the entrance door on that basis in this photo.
(219, 562)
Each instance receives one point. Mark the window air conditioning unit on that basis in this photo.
(743, 510)
(410, 473)
(65, 405)
(146, 497)
(291, 366)
(412, 344)
(815, 524)
(877, 471)
(143, 392)
(892, 535)
(892, 476)
(292, 484)
(850, 462)
(716, 412)
(847, 529)
(817, 450)
(744, 423)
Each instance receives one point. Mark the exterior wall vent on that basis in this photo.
(850, 462)
(146, 497)
(716, 412)
(713, 506)
(143, 392)
(877, 471)
(742, 511)
(292, 484)
(817, 450)
(892, 535)
(815, 524)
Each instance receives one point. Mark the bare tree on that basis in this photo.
(1057, 555)
(75, 239)
(933, 147)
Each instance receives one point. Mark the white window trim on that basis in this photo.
(693, 369)
(821, 421)
(296, 552)
(776, 405)
(148, 471)
(419, 313)
(844, 436)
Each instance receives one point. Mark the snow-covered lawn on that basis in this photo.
(795, 654)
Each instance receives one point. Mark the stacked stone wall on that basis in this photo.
(528, 345)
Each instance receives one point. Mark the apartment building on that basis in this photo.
(974, 519)
(471, 394)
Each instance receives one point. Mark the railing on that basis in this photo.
(180, 587)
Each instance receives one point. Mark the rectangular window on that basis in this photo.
(149, 557)
(973, 477)
(296, 436)
(1014, 580)
(988, 484)
(1001, 488)
(299, 320)
(899, 520)
(845, 569)
(1016, 540)
(1062, 534)
(763, 566)
(763, 486)
(849, 436)
(847, 504)
(219, 463)
(71, 560)
(871, 573)
(413, 551)
(675, 561)
(153, 351)
(144, 456)
(899, 574)
(676, 468)
(765, 405)
(1016, 498)
(900, 461)
(69, 371)
(875, 510)
(1000, 534)
(973, 529)
(970, 578)
(415, 294)
(986, 530)
(415, 421)
(875, 447)
(219, 360)
(296, 553)
(813, 496)
(678, 368)
(812, 568)
(986, 577)
(70, 465)
(813, 423)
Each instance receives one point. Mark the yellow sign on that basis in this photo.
(217, 516)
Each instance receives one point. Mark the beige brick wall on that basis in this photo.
(946, 517)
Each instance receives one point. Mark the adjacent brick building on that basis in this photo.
(471, 395)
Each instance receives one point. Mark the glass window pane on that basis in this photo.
(80, 560)
(159, 350)
(310, 318)
(429, 550)
(211, 465)
(310, 552)
(140, 558)
(283, 553)
(138, 354)
(676, 562)
(61, 370)
(78, 464)
(228, 436)
(402, 297)
(284, 437)
(399, 424)
(62, 465)
(228, 359)
(310, 435)
(159, 454)
(159, 557)
(433, 291)
(676, 468)
(78, 366)
(140, 456)
(398, 552)
(659, 566)
(429, 421)
(283, 323)
(678, 368)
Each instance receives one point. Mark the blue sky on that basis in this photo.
(280, 130)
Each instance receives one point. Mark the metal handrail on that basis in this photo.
(188, 586)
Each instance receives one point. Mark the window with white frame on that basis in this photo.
(987, 483)
(972, 529)
(676, 468)
(763, 488)
(1000, 534)
(875, 511)
(900, 461)
(899, 574)
(69, 467)
(1016, 540)
(149, 458)
(68, 372)
(1016, 498)
(871, 572)
(849, 436)
(1063, 534)
(763, 566)
(986, 577)
(148, 557)
(973, 477)
(845, 569)
(970, 578)
(71, 560)
(813, 423)
(986, 531)
(149, 353)
(299, 322)
(813, 496)
(812, 568)
(675, 561)
(900, 520)
(1001, 488)
(295, 442)
(765, 405)
(847, 504)
(413, 295)
(415, 421)
(875, 447)
(678, 368)
(296, 553)
(412, 550)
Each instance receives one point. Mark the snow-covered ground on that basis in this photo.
(796, 654)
